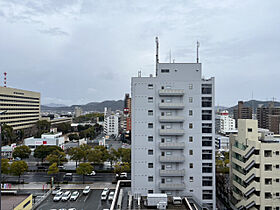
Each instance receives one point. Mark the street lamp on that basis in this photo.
(2, 112)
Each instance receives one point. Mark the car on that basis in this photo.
(111, 196)
(56, 190)
(121, 176)
(86, 190)
(72, 209)
(104, 194)
(74, 196)
(58, 196)
(92, 173)
(66, 196)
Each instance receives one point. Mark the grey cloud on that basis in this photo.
(54, 32)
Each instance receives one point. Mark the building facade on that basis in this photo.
(242, 112)
(268, 117)
(224, 123)
(255, 167)
(111, 125)
(21, 108)
(78, 111)
(173, 129)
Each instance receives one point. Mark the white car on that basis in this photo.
(92, 173)
(58, 196)
(86, 190)
(105, 194)
(56, 190)
(66, 196)
(111, 196)
(72, 209)
(74, 196)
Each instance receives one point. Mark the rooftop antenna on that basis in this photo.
(5, 79)
(197, 46)
(139, 73)
(170, 56)
(157, 59)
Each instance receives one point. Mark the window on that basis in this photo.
(207, 194)
(190, 152)
(277, 153)
(168, 139)
(150, 86)
(190, 86)
(190, 112)
(206, 141)
(268, 208)
(206, 114)
(267, 195)
(277, 166)
(168, 113)
(206, 88)
(250, 129)
(150, 112)
(150, 191)
(169, 166)
(268, 167)
(207, 181)
(150, 165)
(150, 152)
(168, 180)
(150, 125)
(190, 125)
(267, 153)
(150, 99)
(268, 181)
(150, 178)
(168, 153)
(276, 180)
(162, 113)
(26, 204)
(168, 100)
(190, 99)
(164, 70)
(206, 127)
(168, 87)
(191, 178)
(191, 165)
(206, 102)
(206, 167)
(150, 138)
(206, 154)
(190, 139)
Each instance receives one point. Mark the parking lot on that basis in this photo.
(84, 202)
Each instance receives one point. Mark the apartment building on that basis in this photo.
(20, 108)
(111, 123)
(78, 111)
(255, 167)
(268, 117)
(173, 129)
(242, 112)
(224, 123)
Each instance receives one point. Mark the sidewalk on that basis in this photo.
(40, 185)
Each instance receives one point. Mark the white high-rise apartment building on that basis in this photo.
(224, 123)
(255, 167)
(173, 129)
(111, 123)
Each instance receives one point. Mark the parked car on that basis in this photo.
(58, 196)
(86, 190)
(121, 176)
(92, 173)
(68, 177)
(74, 196)
(72, 209)
(56, 190)
(105, 194)
(66, 196)
(111, 196)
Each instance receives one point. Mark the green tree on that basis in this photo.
(104, 152)
(122, 167)
(85, 151)
(18, 168)
(84, 169)
(57, 156)
(53, 169)
(5, 167)
(64, 127)
(73, 136)
(8, 135)
(125, 154)
(20, 135)
(113, 156)
(43, 151)
(95, 156)
(76, 154)
(21, 152)
(42, 126)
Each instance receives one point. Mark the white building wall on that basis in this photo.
(111, 125)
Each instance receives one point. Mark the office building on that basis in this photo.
(78, 111)
(111, 123)
(173, 129)
(255, 167)
(242, 112)
(224, 123)
(268, 117)
(21, 108)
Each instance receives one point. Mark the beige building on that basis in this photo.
(21, 107)
(254, 170)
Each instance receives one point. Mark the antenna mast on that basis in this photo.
(197, 46)
(5, 79)
(157, 60)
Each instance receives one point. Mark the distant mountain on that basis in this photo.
(92, 106)
(255, 104)
(54, 105)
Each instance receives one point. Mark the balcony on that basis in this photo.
(171, 119)
(172, 186)
(171, 132)
(170, 92)
(172, 172)
(171, 105)
(172, 145)
(172, 159)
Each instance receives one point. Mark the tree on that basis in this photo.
(20, 135)
(57, 156)
(113, 156)
(76, 154)
(21, 152)
(104, 152)
(125, 154)
(18, 168)
(5, 167)
(84, 169)
(43, 151)
(53, 169)
(8, 135)
(64, 127)
(85, 151)
(95, 156)
(42, 126)
(73, 136)
(121, 167)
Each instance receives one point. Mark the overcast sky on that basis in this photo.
(75, 51)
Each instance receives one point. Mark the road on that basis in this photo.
(44, 177)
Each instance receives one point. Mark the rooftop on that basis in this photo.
(9, 202)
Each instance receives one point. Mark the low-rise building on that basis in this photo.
(254, 167)
(222, 143)
(224, 123)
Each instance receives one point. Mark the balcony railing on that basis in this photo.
(170, 92)
(172, 159)
(171, 105)
(172, 145)
(172, 186)
(171, 132)
(171, 119)
(172, 172)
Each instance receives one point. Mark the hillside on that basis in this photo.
(254, 104)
